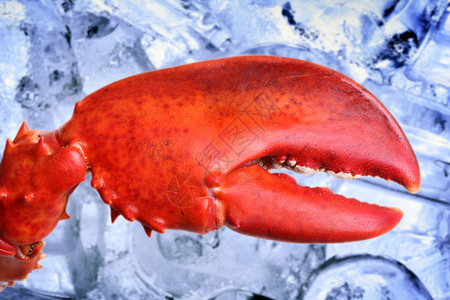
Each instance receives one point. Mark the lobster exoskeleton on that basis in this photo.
(191, 147)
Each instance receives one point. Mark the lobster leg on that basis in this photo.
(258, 203)
(17, 262)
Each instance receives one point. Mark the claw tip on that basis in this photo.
(413, 189)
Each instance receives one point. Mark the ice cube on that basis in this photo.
(364, 277)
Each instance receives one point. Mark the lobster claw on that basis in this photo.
(318, 120)
(190, 148)
(17, 262)
(196, 143)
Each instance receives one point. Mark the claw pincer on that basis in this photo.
(191, 148)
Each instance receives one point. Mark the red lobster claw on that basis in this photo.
(191, 148)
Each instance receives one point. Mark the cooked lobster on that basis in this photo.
(191, 147)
